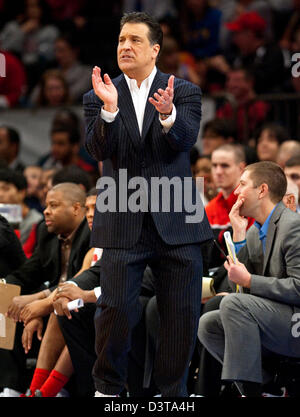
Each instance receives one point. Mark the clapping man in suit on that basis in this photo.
(260, 319)
(144, 123)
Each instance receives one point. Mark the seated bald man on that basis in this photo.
(63, 241)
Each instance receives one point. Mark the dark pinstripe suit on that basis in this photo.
(163, 240)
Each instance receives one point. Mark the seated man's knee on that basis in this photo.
(232, 303)
(207, 323)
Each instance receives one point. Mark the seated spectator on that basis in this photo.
(288, 36)
(217, 132)
(292, 171)
(65, 143)
(76, 75)
(53, 90)
(10, 147)
(45, 184)
(268, 140)
(286, 150)
(11, 253)
(257, 321)
(171, 62)
(13, 82)
(63, 243)
(200, 26)
(249, 113)
(72, 174)
(31, 38)
(54, 366)
(263, 59)
(13, 187)
(33, 176)
(66, 118)
(228, 164)
(202, 168)
(291, 197)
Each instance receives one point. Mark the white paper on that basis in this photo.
(72, 305)
(2, 325)
(230, 246)
(78, 303)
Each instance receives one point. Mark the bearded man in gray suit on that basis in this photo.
(260, 318)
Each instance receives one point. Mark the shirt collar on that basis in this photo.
(263, 229)
(132, 84)
(67, 239)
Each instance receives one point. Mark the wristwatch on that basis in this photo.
(164, 116)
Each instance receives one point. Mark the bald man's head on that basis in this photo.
(72, 192)
(65, 208)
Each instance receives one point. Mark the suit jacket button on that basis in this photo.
(143, 164)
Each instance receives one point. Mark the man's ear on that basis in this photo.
(264, 189)
(155, 50)
(77, 208)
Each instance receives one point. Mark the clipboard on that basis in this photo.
(7, 325)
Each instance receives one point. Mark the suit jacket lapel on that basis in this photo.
(127, 112)
(160, 81)
(271, 234)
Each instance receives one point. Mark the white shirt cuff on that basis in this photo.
(168, 123)
(107, 116)
(97, 292)
(71, 282)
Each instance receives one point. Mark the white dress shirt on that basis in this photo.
(139, 97)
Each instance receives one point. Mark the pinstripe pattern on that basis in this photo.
(178, 270)
(155, 154)
(163, 240)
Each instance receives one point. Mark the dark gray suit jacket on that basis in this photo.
(275, 274)
(153, 154)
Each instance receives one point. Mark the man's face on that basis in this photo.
(267, 146)
(9, 194)
(136, 55)
(294, 174)
(5, 146)
(211, 141)
(61, 148)
(226, 172)
(237, 84)
(59, 213)
(250, 194)
(33, 176)
(90, 205)
(244, 41)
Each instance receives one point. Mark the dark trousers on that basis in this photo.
(79, 334)
(178, 272)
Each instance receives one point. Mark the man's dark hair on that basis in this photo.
(279, 132)
(72, 174)
(13, 135)
(155, 32)
(221, 127)
(293, 161)
(267, 172)
(73, 134)
(13, 177)
(92, 191)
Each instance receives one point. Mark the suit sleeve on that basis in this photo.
(101, 136)
(287, 289)
(29, 276)
(184, 132)
(90, 278)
